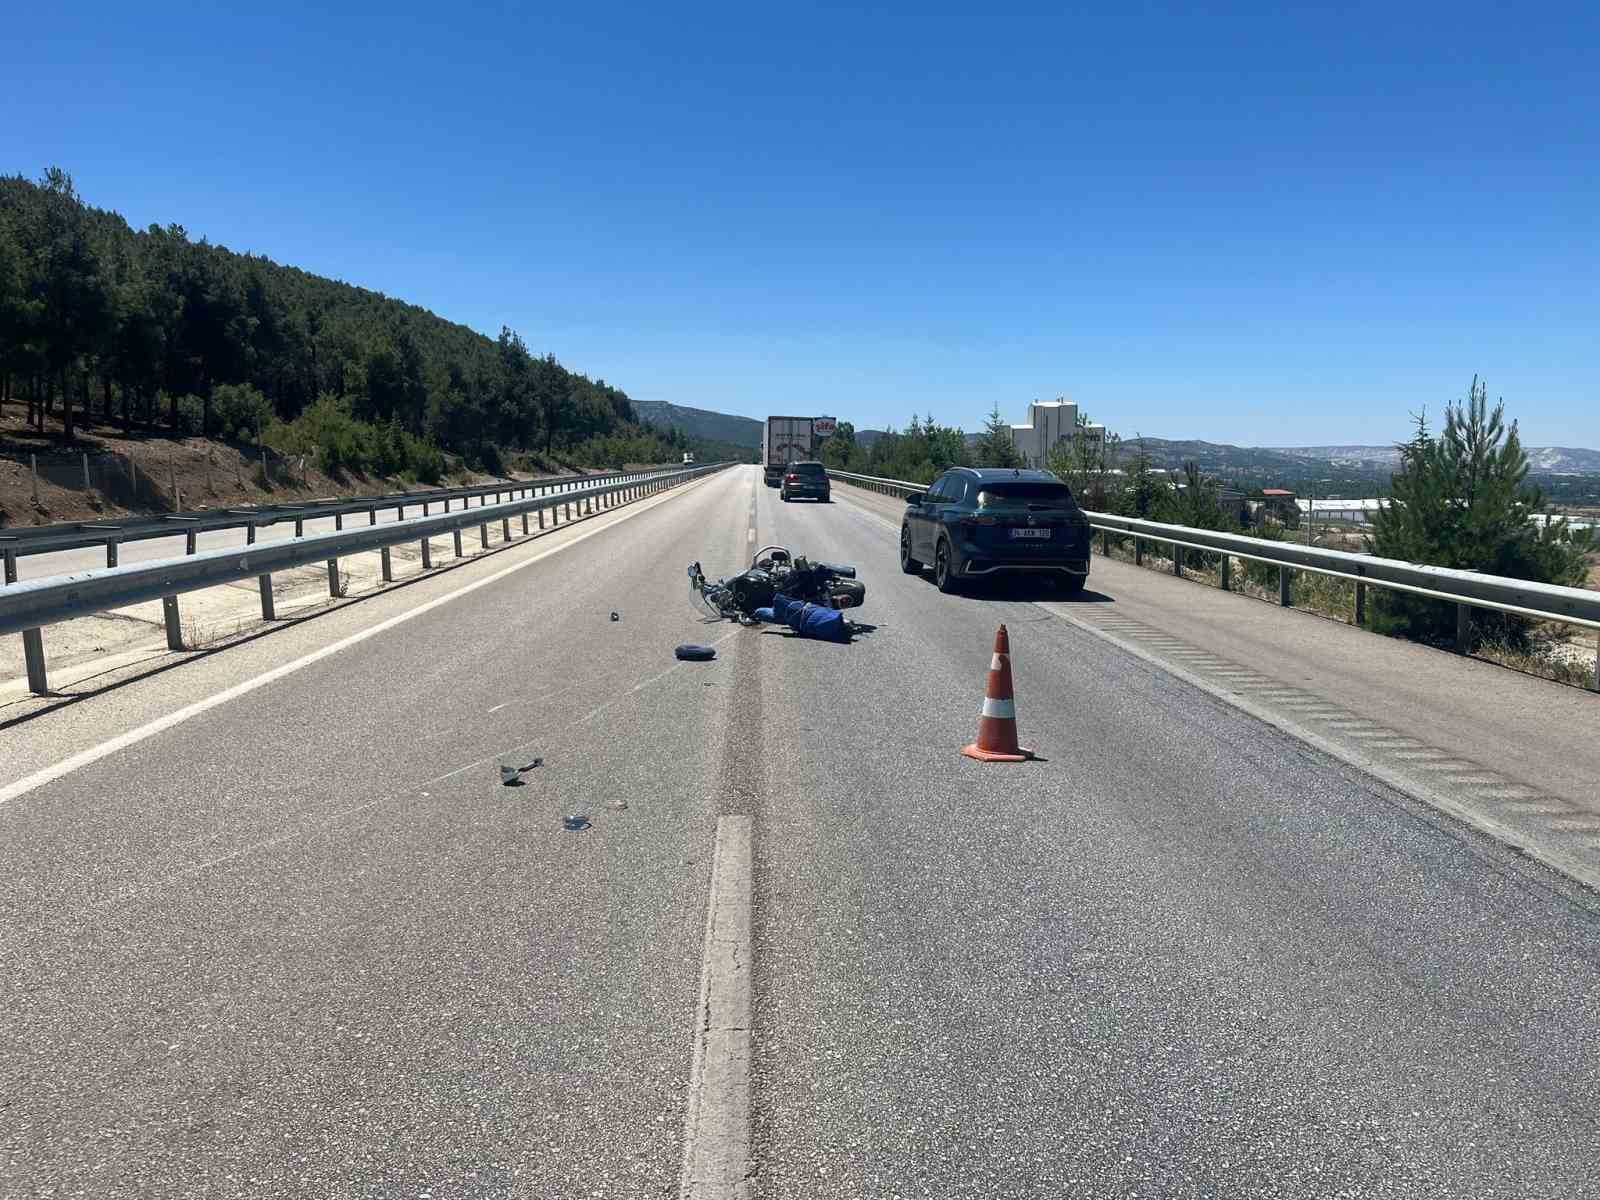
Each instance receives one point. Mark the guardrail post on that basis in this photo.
(169, 614)
(427, 555)
(1463, 629)
(1597, 661)
(541, 518)
(33, 655)
(1361, 602)
(1138, 550)
(569, 510)
(483, 535)
(1177, 560)
(372, 515)
(1227, 572)
(388, 565)
(1105, 543)
(268, 613)
(524, 524)
(299, 527)
(505, 529)
(11, 566)
(111, 552)
(250, 534)
(189, 541)
(1285, 588)
(333, 577)
(457, 534)
(338, 521)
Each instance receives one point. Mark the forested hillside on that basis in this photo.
(153, 328)
(701, 423)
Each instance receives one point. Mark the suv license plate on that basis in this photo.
(1030, 533)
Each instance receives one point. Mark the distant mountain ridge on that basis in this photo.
(1291, 461)
(700, 422)
(1553, 460)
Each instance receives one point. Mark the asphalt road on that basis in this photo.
(303, 944)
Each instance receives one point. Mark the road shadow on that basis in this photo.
(858, 630)
(1030, 588)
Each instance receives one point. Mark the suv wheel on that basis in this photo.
(908, 564)
(944, 570)
(785, 495)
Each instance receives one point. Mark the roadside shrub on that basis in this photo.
(338, 442)
(239, 412)
(190, 414)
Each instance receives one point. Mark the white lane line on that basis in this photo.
(1558, 856)
(498, 707)
(716, 1152)
(162, 723)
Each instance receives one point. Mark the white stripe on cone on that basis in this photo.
(994, 663)
(1005, 709)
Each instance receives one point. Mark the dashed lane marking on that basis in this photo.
(716, 1152)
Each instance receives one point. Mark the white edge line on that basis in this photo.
(716, 1142)
(84, 758)
(1555, 859)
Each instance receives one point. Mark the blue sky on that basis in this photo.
(1266, 224)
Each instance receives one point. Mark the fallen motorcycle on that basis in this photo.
(774, 571)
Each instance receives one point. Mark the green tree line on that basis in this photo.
(154, 329)
(1462, 498)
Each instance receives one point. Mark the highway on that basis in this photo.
(270, 926)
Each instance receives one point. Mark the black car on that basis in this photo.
(977, 523)
(807, 479)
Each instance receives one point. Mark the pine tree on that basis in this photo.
(1148, 493)
(1462, 500)
(995, 448)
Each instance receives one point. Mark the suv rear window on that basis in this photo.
(1025, 494)
(806, 469)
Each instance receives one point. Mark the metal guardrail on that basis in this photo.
(28, 606)
(1465, 589)
(19, 541)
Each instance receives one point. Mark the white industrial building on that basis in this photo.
(1050, 422)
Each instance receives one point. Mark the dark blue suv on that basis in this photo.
(976, 523)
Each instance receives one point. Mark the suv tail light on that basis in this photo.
(980, 520)
(792, 478)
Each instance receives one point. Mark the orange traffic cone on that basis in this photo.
(997, 727)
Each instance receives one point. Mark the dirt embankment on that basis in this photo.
(104, 474)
